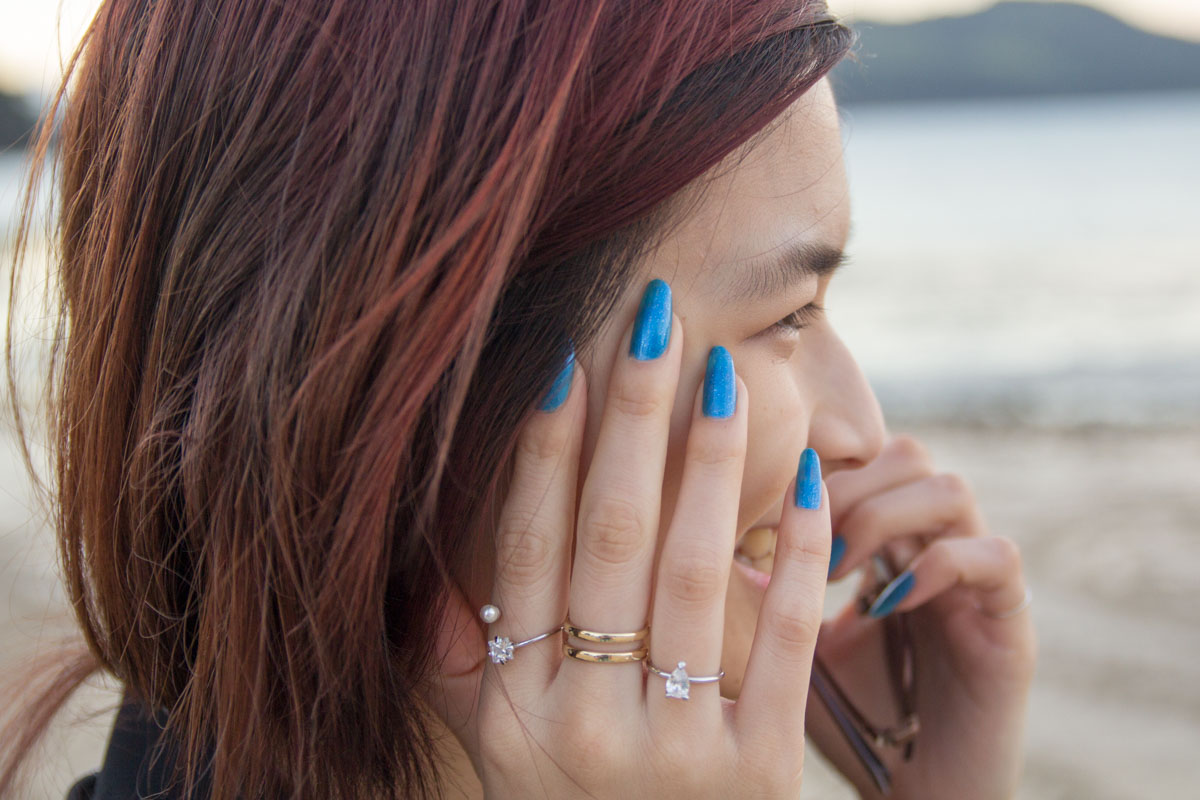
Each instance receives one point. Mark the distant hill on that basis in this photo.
(1013, 48)
(1010, 49)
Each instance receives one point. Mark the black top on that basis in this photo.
(138, 763)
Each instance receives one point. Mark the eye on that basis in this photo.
(797, 320)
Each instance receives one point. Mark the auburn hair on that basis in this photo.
(314, 263)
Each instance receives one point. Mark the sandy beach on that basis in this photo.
(1108, 524)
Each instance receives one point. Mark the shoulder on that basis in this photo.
(84, 788)
(139, 761)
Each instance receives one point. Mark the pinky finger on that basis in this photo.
(988, 565)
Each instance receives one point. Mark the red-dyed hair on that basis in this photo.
(318, 260)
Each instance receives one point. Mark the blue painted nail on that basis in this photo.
(837, 549)
(892, 594)
(720, 386)
(652, 328)
(808, 480)
(556, 395)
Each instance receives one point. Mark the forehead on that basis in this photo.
(788, 186)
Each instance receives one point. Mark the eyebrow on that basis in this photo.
(780, 269)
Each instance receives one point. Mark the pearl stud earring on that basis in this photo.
(489, 613)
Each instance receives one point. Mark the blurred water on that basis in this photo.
(1032, 261)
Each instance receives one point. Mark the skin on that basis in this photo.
(594, 465)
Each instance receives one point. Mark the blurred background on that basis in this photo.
(1023, 293)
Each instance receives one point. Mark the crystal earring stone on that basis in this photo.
(678, 684)
(500, 650)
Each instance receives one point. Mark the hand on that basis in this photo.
(548, 726)
(973, 671)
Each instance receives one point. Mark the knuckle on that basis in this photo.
(868, 516)
(693, 581)
(792, 631)
(939, 551)
(908, 448)
(718, 452)
(954, 485)
(634, 397)
(939, 556)
(1007, 551)
(808, 552)
(544, 439)
(525, 552)
(613, 531)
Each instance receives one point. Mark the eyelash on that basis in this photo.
(797, 320)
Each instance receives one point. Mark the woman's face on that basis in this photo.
(804, 387)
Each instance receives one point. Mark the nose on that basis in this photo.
(846, 427)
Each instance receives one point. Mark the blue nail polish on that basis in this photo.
(892, 594)
(652, 328)
(720, 385)
(808, 480)
(837, 549)
(556, 395)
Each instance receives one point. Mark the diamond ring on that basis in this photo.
(679, 682)
(500, 648)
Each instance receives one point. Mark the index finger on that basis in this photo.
(533, 541)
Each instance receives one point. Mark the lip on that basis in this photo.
(757, 578)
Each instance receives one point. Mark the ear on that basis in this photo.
(460, 652)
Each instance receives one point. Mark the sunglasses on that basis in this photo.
(865, 738)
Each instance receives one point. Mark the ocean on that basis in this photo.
(1016, 262)
(1032, 261)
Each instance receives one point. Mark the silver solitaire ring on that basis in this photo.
(500, 648)
(1012, 612)
(679, 682)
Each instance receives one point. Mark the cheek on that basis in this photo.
(778, 433)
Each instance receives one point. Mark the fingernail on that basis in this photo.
(556, 395)
(808, 480)
(720, 386)
(892, 594)
(652, 328)
(837, 549)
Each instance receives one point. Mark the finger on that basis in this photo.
(939, 505)
(620, 501)
(688, 619)
(989, 565)
(771, 706)
(535, 528)
(903, 459)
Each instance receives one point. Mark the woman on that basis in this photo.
(419, 357)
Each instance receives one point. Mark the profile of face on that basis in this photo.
(737, 281)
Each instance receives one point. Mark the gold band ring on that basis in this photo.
(594, 657)
(605, 638)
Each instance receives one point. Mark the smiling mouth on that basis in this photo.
(755, 552)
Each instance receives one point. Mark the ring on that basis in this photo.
(500, 648)
(1024, 604)
(679, 682)
(605, 638)
(595, 657)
